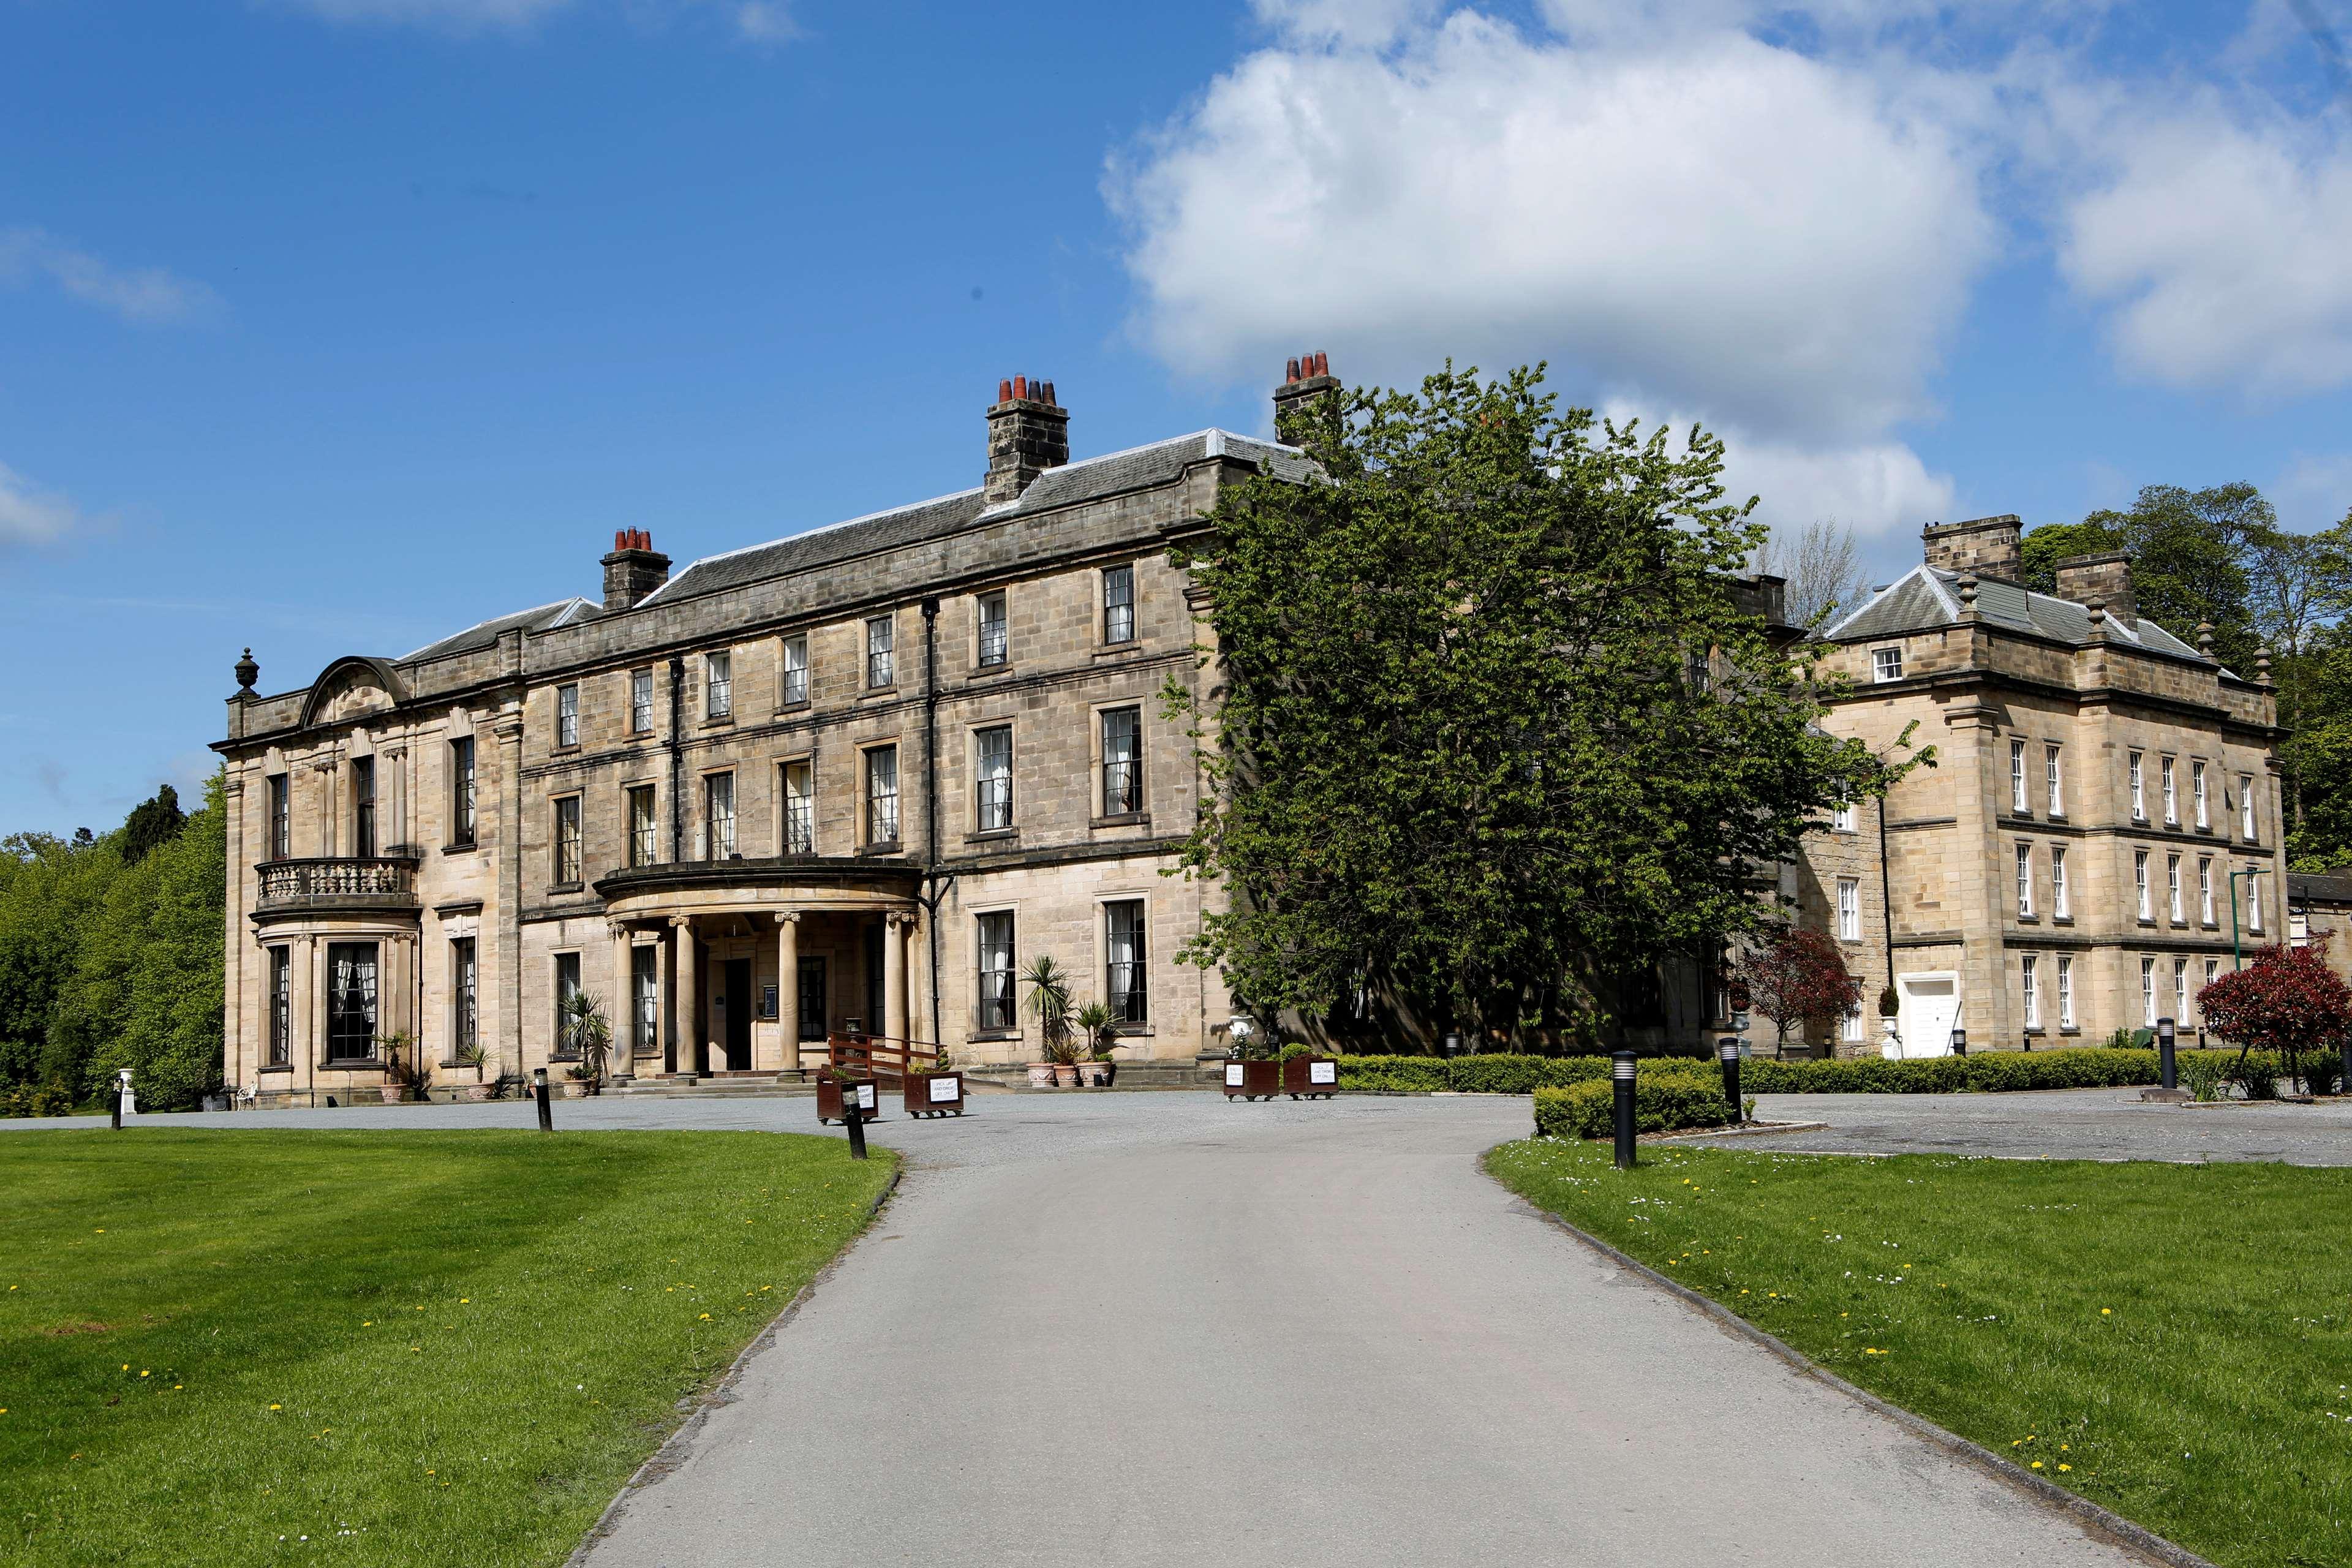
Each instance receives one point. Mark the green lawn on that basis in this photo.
(2169, 1341)
(412, 1348)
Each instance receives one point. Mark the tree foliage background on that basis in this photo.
(110, 955)
(1492, 733)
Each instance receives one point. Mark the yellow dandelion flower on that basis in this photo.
(705, 1318)
(2037, 1464)
(2106, 1311)
(2065, 1466)
(274, 1407)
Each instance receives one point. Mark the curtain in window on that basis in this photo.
(879, 636)
(1124, 931)
(996, 997)
(281, 1007)
(641, 702)
(1122, 735)
(1118, 604)
(350, 1001)
(795, 684)
(995, 776)
(719, 696)
(646, 1003)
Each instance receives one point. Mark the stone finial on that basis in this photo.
(2098, 613)
(2263, 665)
(1967, 594)
(247, 672)
(2205, 638)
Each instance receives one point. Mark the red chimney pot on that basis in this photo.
(1021, 386)
(1005, 391)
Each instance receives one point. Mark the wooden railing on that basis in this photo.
(880, 1057)
(341, 878)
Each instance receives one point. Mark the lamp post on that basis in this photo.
(2165, 1032)
(1452, 1042)
(1959, 1041)
(1621, 1075)
(539, 1093)
(1726, 1052)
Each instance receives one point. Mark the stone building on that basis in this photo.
(855, 777)
(2103, 815)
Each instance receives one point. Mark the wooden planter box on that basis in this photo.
(934, 1094)
(829, 1091)
(1252, 1080)
(1310, 1078)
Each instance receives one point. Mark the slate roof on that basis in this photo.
(484, 634)
(2325, 888)
(1091, 478)
(1928, 596)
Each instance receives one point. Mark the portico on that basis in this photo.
(737, 967)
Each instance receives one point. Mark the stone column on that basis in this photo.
(691, 1048)
(305, 998)
(623, 1007)
(788, 985)
(894, 975)
(665, 1002)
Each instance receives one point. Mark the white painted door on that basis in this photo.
(1931, 1007)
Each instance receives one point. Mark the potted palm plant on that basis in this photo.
(586, 1034)
(405, 1073)
(1049, 999)
(471, 1055)
(1098, 1028)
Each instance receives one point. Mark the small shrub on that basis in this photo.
(2259, 1078)
(1664, 1102)
(2323, 1073)
(2204, 1073)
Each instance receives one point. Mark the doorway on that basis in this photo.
(1930, 1008)
(738, 1001)
(810, 1024)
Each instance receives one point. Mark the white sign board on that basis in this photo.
(1323, 1072)
(865, 1096)
(1233, 1074)
(944, 1090)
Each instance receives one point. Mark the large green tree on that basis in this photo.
(1490, 728)
(50, 888)
(2190, 559)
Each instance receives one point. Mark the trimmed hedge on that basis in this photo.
(1986, 1072)
(1665, 1101)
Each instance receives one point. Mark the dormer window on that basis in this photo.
(1886, 663)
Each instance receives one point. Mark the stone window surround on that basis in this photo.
(972, 650)
(863, 751)
(785, 762)
(567, 710)
(1134, 605)
(702, 824)
(557, 881)
(629, 679)
(785, 701)
(1103, 900)
(1095, 712)
(629, 788)
(973, 831)
(555, 990)
(1003, 906)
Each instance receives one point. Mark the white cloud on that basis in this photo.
(1364, 23)
(141, 294)
(1738, 227)
(29, 516)
(766, 22)
(1873, 487)
(2216, 235)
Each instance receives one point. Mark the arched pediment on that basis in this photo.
(352, 687)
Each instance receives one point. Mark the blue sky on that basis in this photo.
(333, 325)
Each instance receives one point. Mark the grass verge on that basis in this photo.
(356, 1348)
(2167, 1341)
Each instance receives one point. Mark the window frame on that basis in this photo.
(645, 998)
(1118, 612)
(2025, 881)
(565, 981)
(997, 1015)
(719, 685)
(374, 1006)
(1848, 909)
(465, 995)
(882, 656)
(796, 811)
(280, 981)
(2144, 898)
(567, 716)
(2061, 903)
(1132, 766)
(280, 795)
(2019, 801)
(992, 652)
(717, 783)
(1130, 1008)
(2054, 776)
(464, 802)
(2136, 766)
(2029, 981)
(564, 840)
(2175, 907)
(641, 701)
(1885, 665)
(992, 794)
(2205, 915)
(363, 834)
(1842, 817)
(869, 800)
(2246, 822)
(644, 848)
(2065, 991)
(2168, 777)
(2199, 794)
(793, 692)
(2147, 991)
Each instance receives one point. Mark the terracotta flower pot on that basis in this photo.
(1041, 1075)
(1066, 1074)
(477, 1091)
(394, 1093)
(1098, 1074)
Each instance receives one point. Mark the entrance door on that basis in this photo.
(813, 1013)
(1931, 1007)
(740, 1008)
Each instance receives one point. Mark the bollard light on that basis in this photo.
(2165, 1039)
(855, 1103)
(1621, 1073)
(1452, 1042)
(1726, 1052)
(1959, 1041)
(121, 1095)
(539, 1092)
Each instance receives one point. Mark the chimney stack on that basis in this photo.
(1305, 379)
(1987, 546)
(1028, 433)
(2107, 579)
(634, 569)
